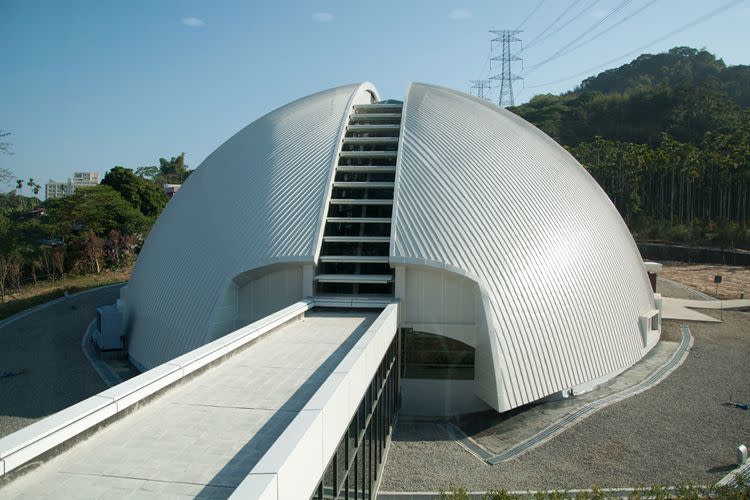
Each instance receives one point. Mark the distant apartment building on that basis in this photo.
(85, 179)
(54, 189)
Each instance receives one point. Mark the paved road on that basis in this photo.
(47, 345)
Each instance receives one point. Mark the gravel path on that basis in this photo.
(676, 432)
(46, 344)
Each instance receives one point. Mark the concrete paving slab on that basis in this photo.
(682, 309)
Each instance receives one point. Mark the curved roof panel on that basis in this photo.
(255, 201)
(485, 194)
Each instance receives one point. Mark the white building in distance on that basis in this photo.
(54, 189)
(82, 179)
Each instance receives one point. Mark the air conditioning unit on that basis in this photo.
(109, 328)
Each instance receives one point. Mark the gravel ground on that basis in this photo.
(671, 289)
(46, 344)
(735, 283)
(676, 432)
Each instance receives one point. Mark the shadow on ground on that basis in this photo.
(45, 346)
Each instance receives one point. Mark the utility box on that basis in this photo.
(653, 269)
(109, 328)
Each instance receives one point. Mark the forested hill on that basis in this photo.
(668, 137)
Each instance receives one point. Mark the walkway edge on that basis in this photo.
(48, 434)
(569, 420)
(108, 376)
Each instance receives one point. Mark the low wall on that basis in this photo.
(293, 466)
(439, 398)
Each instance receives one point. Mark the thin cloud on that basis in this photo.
(193, 22)
(323, 17)
(459, 14)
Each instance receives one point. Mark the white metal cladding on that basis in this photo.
(483, 193)
(254, 201)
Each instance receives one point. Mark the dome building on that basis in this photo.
(516, 276)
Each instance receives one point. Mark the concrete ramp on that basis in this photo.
(203, 436)
(682, 309)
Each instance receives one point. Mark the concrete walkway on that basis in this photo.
(682, 309)
(201, 438)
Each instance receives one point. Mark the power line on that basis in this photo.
(677, 31)
(617, 8)
(563, 26)
(606, 30)
(545, 30)
(533, 11)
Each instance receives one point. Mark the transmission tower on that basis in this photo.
(480, 88)
(504, 40)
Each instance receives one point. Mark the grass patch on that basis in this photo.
(44, 291)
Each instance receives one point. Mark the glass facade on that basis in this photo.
(426, 355)
(357, 464)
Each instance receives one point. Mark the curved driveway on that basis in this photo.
(46, 345)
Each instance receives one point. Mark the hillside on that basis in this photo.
(667, 136)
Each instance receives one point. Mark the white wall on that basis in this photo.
(440, 302)
(444, 303)
(254, 294)
(426, 397)
(268, 293)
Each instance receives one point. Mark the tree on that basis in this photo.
(5, 175)
(35, 266)
(46, 252)
(4, 270)
(112, 248)
(94, 248)
(143, 195)
(147, 172)
(15, 273)
(4, 146)
(174, 170)
(34, 186)
(58, 260)
(97, 208)
(10, 274)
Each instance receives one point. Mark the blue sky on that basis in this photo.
(89, 85)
